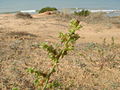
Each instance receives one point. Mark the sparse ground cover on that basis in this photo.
(94, 64)
(23, 15)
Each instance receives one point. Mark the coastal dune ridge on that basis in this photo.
(110, 12)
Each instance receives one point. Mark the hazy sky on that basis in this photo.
(37, 4)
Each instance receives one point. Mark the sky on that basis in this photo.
(15, 5)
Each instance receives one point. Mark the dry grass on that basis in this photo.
(93, 18)
(116, 21)
(84, 68)
(91, 66)
(20, 34)
(23, 15)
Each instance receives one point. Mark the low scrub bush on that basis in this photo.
(23, 15)
(55, 53)
(82, 13)
(47, 9)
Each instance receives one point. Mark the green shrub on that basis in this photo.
(47, 9)
(82, 13)
(55, 53)
(15, 88)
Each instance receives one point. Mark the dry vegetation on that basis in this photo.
(23, 15)
(93, 65)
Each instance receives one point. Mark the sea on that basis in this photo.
(112, 7)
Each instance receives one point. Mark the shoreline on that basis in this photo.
(109, 12)
(72, 9)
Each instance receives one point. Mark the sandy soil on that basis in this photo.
(16, 53)
(49, 26)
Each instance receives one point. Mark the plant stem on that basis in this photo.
(49, 75)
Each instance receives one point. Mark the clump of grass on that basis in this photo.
(116, 23)
(23, 15)
(20, 34)
(82, 13)
(55, 53)
(47, 9)
(102, 55)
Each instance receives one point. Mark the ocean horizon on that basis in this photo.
(18, 5)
